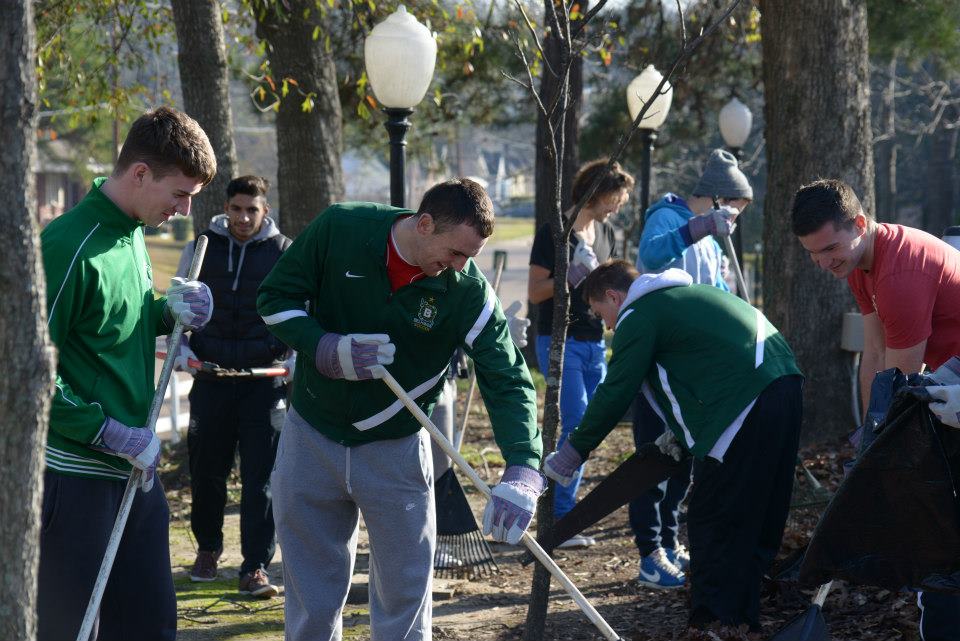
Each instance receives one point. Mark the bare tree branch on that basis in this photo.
(536, 38)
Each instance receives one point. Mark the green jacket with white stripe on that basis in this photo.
(103, 318)
(333, 278)
(701, 354)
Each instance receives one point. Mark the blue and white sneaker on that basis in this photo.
(656, 571)
(679, 556)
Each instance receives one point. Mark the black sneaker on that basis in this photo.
(257, 584)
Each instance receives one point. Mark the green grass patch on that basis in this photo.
(475, 457)
(511, 229)
(216, 611)
(164, 256)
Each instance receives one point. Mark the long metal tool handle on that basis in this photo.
(472, 383)
(527, 540)
(732, 255)
(822, 593)
(133, 483)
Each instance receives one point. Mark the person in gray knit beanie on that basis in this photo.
(722, 178)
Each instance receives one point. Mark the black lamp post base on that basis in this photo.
(397, 126)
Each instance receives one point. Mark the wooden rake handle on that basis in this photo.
(133, 483)
(530, 543)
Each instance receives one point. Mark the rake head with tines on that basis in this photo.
(462, 552)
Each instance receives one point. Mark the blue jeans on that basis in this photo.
(584, 367)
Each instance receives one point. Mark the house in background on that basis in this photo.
(59, 184)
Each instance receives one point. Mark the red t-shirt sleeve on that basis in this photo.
(905, 305)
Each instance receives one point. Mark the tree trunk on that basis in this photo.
(26, 387)
(940, 194)
(543, 163)
(205, 82)
(817, 124)
(309, 142)
(887, 150)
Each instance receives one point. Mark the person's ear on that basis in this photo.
(139, 171)
(426, 224)
(860, 222)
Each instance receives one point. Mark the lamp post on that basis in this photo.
(399, 54)
(639, 92)
(736, 120)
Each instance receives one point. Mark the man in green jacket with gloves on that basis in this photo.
(725, 382)
(365, 286)
(104, 319)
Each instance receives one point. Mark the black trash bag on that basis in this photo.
(895, 520)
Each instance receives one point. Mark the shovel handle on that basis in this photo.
(133, 483)
(531, 543)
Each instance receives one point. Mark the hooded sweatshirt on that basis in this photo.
(664, 245)
(236, 336)
(702, 356)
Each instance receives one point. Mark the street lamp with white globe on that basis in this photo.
(736, 120)
(640, 91)
(400, 54)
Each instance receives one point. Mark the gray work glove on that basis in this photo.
(947, 404)
(584, 261)
(353, 356)
(137, 445)
(517, 324)
(716, 222)
(668, 444)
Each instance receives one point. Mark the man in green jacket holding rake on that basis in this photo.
(364, 286)
(725, 382)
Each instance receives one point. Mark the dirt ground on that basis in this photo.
(495, 608)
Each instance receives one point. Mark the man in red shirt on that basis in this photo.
(907, 285)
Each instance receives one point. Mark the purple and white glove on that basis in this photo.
(512, 503)
(190, 301)
(716, 222)
(137, 445)
(583, 262)
(353, 356)
(562, 464)
(184, 355)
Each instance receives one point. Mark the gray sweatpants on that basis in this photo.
(319, 489)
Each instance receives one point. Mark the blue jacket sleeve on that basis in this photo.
(662, 240)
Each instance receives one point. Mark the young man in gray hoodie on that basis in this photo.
(227, 412)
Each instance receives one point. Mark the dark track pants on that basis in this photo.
(224, 416)
(738, 509)
(139, 603)
(653, 516)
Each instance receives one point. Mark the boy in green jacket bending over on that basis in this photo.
(725, 382)
(391, 287)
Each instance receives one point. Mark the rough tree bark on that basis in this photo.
(817, 125)
(309, 142)
(205, 83)
(25, 389)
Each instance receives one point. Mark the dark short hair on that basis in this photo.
(821, 202)
(613, 274)
(248, 186)
(456, 202)
(167, 140)
(612, 179)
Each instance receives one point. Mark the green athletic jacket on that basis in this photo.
(337, 266)
(103, 318)
(705, 354)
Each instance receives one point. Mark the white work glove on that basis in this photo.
(584, 261)
(353, 356)
(291, 365)
(668, 444)
(946, 407)
(184, 355)
(190, 301)
(517, 324)
(512, 503)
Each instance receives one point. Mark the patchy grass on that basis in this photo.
(511, 229)
(164, 256)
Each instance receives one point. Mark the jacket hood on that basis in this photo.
(647, 283)
(673, 202)
(220, 225)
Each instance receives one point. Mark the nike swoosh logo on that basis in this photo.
(349, 275)
(653, 578)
